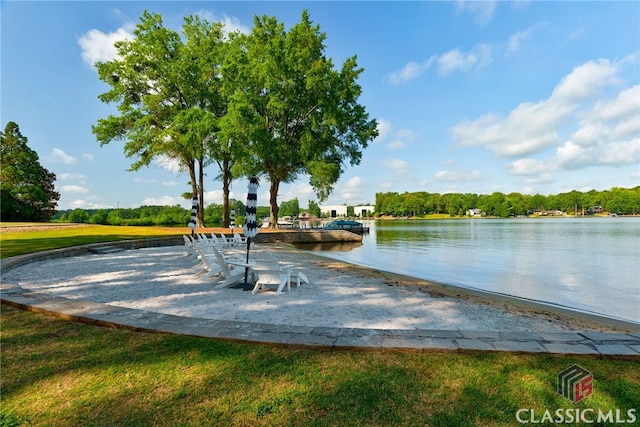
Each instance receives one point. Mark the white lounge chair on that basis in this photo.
(208, 268)
(296, 275)
(239, 240)
(271, 272)
(232, 271)
(191, 250)
(226, 241)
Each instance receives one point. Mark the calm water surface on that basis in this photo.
(590, 264)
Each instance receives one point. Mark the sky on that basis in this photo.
(533, 97)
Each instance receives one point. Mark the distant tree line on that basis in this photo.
(145, 215)
(621, 201)
(172, 216)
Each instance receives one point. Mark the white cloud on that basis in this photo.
(163, 201)
(446, 63)
(543, 178)
(460, 175)
(411, 71)
(613, 119)
(384, 128)
(231, 23)
(98, 46)
(59, 156)
(483, 11)
(170, 164)
(396, 144)
(608, 134)
(456, 60)
(213, 196)
(516, 39)
(73, 189)
(397, 138)
(397, 166)
(533, 127)
(401, 138)
(301, 190)
(68, 176)
(83, 204)
(169, 183)
(351, 191)
(528, 167)
(573, 156)
(88, 157)
(585, 81)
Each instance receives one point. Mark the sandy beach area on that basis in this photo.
(341, 295)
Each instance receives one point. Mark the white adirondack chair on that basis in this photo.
(296, 275)
(239, 240)
(208, 268)
(271, 272)
(191, 250)
(231, 271)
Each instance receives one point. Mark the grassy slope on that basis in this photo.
(61, 373)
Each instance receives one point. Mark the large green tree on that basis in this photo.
(291, 110)
(166, 88)
(26, 188)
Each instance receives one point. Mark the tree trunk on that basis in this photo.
(273, 203)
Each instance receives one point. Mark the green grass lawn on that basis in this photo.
(60, 373)
(14, 243)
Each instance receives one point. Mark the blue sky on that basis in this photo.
(526, 96)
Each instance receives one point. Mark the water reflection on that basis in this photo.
(587, 263)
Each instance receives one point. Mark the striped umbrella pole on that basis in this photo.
(232, 220)
(194, 214)
(250, 225)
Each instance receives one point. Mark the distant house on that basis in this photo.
(335, 211)
(475, 212)
(548, 212)
(364, 210)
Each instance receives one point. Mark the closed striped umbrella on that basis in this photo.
(232, 219)
(250, 224)
(194, 214)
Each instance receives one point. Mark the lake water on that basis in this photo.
(589, 264)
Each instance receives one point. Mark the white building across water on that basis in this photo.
(335, 211)
(338, 211)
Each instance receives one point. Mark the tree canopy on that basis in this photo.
(167, 91)
(291, 110)
(268, 103)
(27, 189)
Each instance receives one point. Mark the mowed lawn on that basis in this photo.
(60, 373)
